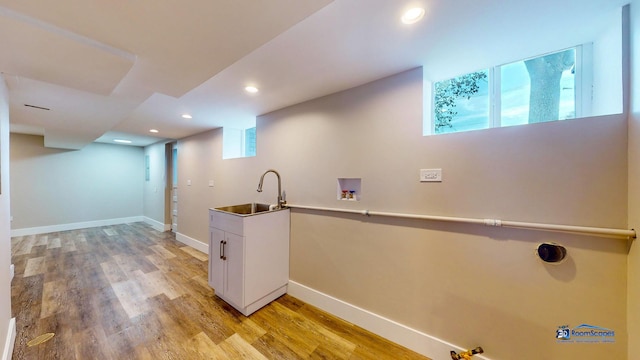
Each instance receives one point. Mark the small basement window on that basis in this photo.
(577, 82)
(544, 88)
(238, 143)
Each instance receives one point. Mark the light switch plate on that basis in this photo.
(210, 183)
(430, 175)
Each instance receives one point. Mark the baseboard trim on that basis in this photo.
(10, 341)
(74, 226)
(198, 245)
(425, 344)
(157, 224)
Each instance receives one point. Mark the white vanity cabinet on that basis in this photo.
(249, 257)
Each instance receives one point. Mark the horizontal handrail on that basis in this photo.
(489, 222)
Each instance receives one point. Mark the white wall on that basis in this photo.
(607, 69)
(6, 331)
(633, 299)
(467, 285)
(154, 188)
(54, 187)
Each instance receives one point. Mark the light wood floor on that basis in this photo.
(130, 292)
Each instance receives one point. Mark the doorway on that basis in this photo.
(171, 190)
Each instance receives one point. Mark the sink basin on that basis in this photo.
(245, 209)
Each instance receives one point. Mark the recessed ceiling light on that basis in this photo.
(251, 89)
(122, 141)
(155, 131)
(413, 15)
(187, 116)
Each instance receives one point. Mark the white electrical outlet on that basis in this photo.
(210, 183)
(430, 175)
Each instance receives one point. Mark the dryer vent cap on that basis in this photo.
(551, 253)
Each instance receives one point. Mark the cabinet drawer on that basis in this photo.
(226, 222)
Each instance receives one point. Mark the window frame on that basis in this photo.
(583, 90)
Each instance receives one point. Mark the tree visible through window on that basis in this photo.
(529, 91)
(450, 93)
(250, 142)
(545, 73)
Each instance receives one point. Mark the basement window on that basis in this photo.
(238, 143)
(540, 89)
(577, 82)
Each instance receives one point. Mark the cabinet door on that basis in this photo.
(216, 263)
(234, 251)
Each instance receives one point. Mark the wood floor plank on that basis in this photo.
(131, 292)
(131, 297)
(201, 347)
(92, 344)
(54, 243)
(110, 232)
(286, 331)
(162, 251)
(166, 346)
(113, 272)
(237, 348)
(249, 330)
(35, 266)
(61, 346)
(54, 297)
(68, 245)
(210, 318)
(24, 245)
(275, 349)
(173, 324)
(195, 253)
(110, 312)
(41, 240)
(155, 283)
(143, 329)
(140, 353)
(126, 263)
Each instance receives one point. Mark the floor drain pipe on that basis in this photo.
(466, 355)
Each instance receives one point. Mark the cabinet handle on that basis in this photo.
(222, 255)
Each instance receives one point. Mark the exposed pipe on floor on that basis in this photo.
(466, 355)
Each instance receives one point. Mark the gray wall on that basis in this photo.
(5, 225)
(55, 187)
(464, 284)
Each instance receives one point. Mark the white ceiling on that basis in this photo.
(118, 68)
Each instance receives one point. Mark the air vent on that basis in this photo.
(37, 107)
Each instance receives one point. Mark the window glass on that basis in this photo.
(250, 142)
(174, 166)
(238, 143)
(539, 89)
(462, 103)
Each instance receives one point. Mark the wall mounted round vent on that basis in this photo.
(551, 253)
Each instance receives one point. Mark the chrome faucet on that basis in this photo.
(280, 201)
